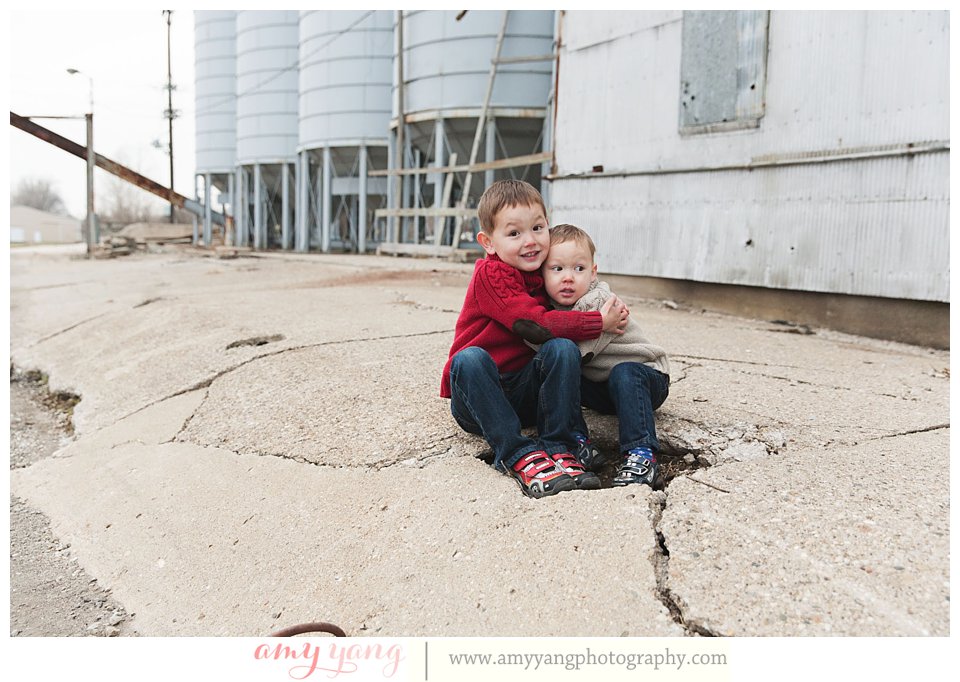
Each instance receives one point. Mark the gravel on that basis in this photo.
(50, 594)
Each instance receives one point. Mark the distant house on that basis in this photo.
(33, 226)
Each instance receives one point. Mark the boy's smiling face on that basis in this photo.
(520, 237)
(568, 271)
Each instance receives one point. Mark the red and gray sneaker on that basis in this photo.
(584, 480)
(539, 476)
(639, 465)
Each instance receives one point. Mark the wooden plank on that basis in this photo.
(481, 122)
(530, 58)
(414, 249)
(445, 200)
(499, 164)
(426, 212)
(429, 251)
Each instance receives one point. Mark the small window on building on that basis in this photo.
(723, 70)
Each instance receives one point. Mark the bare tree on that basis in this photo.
(124, 203)
(39, 193)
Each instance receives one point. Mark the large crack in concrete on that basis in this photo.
(707, 456)
(682, 458)
(686, 451)
(65, 330)
(898, 434)
(660, 558)
(206, 383)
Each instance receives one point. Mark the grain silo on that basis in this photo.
(345, 85)
(267, 102)
(216, 107)
(467, 76)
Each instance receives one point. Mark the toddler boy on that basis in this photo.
(623, 374)
(496, 383)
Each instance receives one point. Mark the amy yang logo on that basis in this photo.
(307, 659)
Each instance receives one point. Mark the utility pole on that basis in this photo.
(90, 232)
(170, 113)
(91, 162)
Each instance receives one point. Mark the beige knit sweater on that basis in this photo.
(608, 350)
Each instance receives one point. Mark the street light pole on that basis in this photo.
(170, 105)
(91, 222)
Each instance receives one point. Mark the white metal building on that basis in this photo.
(33, 226)
(790, 150)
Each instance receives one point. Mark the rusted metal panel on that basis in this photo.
(722, 70)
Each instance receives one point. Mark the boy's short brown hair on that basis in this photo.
(566, 232)
(503, 194)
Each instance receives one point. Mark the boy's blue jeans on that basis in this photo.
(545, 393)
(632, 392)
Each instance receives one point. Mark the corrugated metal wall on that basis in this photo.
(869, 85)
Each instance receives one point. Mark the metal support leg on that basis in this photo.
(327, 198)
(196, 196)
(417, 181)
(241, 238)
(257, 206)
(316, 230)
(392, 232)
(231, 190)
(303, 198)
(439, 157)
(285, 206)
(405, 191)
(362, 203)
(208, 210)
(490, 153)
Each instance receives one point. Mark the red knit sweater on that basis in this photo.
(498, 296)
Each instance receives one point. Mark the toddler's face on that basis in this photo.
(568, 271)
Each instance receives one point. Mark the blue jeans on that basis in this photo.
(632, 392)
(545, 393)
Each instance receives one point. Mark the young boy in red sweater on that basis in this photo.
(496, 383)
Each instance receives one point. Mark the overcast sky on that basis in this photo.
(125, 54)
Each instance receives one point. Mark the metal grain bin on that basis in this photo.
(267, 82)
(447, 62)
(345, 77)
(215, 83)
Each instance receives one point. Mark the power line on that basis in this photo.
(286, 69)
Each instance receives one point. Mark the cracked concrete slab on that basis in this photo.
(200, 541)
(838, 541)
(124, 360)
(372, 510)
(356, 413)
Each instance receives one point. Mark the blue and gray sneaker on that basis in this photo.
(586, 453)
(639, 466)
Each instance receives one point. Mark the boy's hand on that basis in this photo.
(615, 315)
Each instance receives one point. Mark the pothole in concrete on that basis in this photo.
(673, 461)
(255, 341)
(60, 403)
